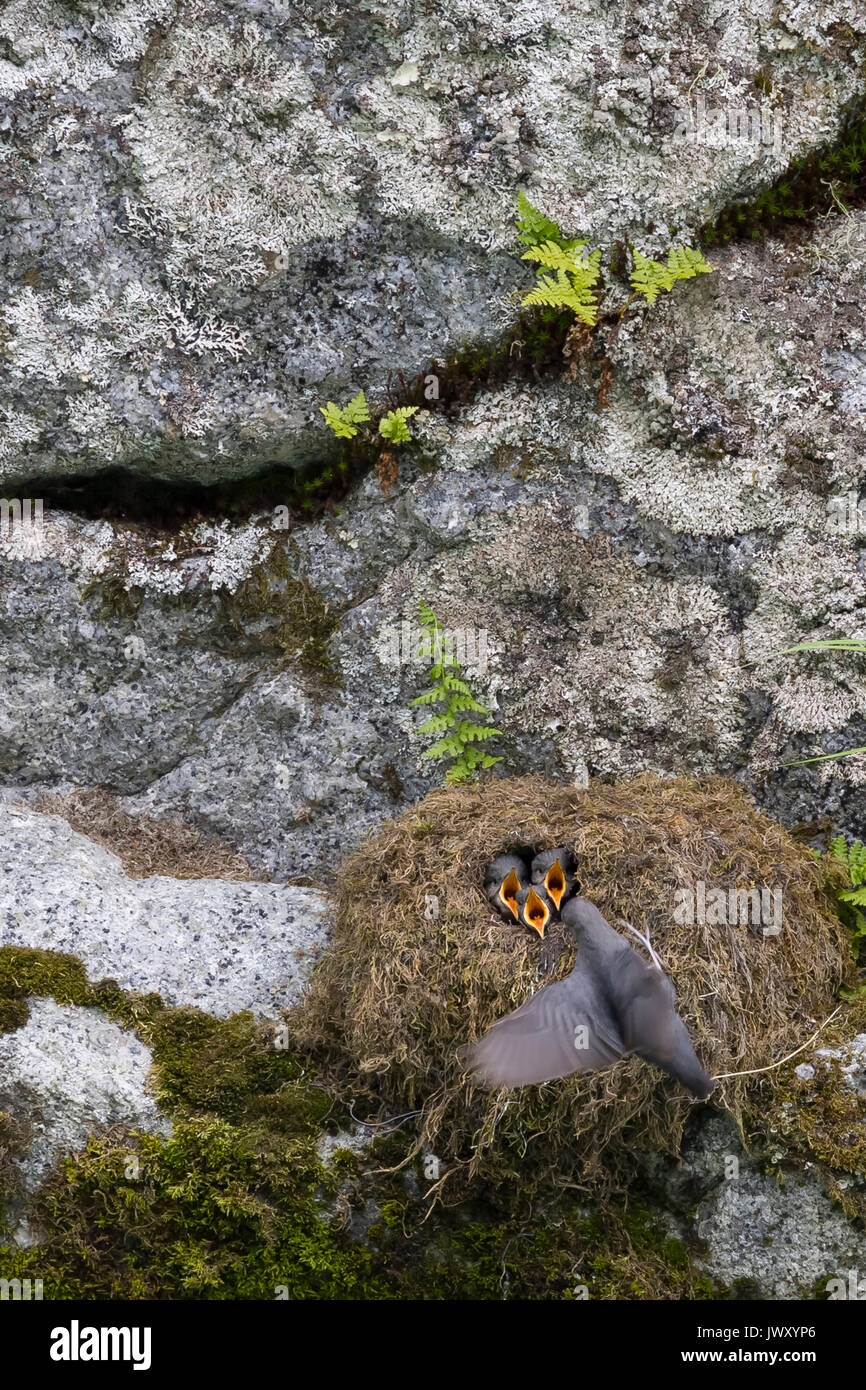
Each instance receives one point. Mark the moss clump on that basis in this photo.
(217, 1211)
(275, 610)
(397, 994)
(503, 1244)
(230, 1207)
(236, 1204)
(822, 1119)
(24, 972)
(832, 178)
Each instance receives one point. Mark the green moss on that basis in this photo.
(230, 1206)
(274, 609)
(832, 178)
(820, 1121)
(237, 1205)
(112, 597)
(25, 972)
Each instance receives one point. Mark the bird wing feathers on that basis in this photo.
(556, 1032)
(651, 1026)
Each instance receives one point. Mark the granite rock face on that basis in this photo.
(780, 1237)
(216, 216)
(215, 945)
(619, 582)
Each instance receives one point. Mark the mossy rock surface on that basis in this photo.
(402, 988)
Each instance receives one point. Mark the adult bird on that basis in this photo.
(503, 881)
(554, 871)
(612, 1004)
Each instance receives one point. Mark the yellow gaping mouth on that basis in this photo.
(555, 883)
(535, 914)
(508, 891)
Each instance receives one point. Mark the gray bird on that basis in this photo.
(503, 881)
(534, 908)
(554, 870)
(611, 1005)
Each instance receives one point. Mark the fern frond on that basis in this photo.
(458, 738)
(430, 697)
(475, 733)
(452, 683)
(393, 426)
(650, 277)
(554, 257)
(437, 724)
(460, 704)
(684, 263)
(533, 226)
(344, 422)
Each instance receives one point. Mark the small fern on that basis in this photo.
(533, 226)
(650, 278)
(457, 738)
(393, 426)
(853, 900)
(345, 422)
(567, 273)
(569, 282)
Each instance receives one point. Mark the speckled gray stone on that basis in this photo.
(221, 946)
(780, 1235)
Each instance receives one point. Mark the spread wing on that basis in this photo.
(561, 1029)
(653, 1029)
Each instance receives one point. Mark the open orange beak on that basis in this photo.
(554, 882)
(535, 913)
(508, 890)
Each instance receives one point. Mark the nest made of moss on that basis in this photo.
(420, 964)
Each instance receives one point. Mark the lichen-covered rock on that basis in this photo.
(218, 945)
(217, 215)
(620, 582)
(781, 1237)
(777, 1235)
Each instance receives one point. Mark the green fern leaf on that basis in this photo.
(393, 426)
(552, 256)
(533, 226)
(436, 725)
(684, 263)
(649, 277)
(571, 286)
(430, 697)
(345, 422)
(456, 736)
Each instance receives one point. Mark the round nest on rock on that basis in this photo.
(421, 964)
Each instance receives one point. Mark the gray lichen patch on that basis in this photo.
(292, 205)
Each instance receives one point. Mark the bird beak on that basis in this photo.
(508, 891)
(535, 913)
(555, 883)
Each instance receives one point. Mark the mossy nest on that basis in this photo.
(404, 985)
